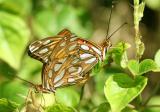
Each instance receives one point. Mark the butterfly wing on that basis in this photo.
(71, 60)
(42, 49)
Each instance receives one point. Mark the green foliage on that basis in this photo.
(119, 54)
(157, 58)
(120, 89)
(104, 107)
(67, 96)
(8, 106)
(142, 67)
(59, 108)
(13, 91)
(14, 36)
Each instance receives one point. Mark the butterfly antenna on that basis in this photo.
(109, 20)
(116, 30)
(24, 80)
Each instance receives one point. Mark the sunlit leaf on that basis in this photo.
(133, 66)
(13, 91)
(153, 4)
(119, 54)
(128, 109)
(157, 58)
(18, 6)
(67, 96)
(60, 108)
(120, 89)
(146, 66)
(8, 106)
(14, 36)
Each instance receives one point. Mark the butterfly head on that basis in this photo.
(39, 88)
(105, 47)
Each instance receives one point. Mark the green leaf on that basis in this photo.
(60, 108)
(8, 106)
(153, 4)
(157, 58)
(14, 35)
(104, 107)
(146, 66)
(19, 7)
(13, 91)
(133, 66)
(119, 54)
(120, 89)
(128, 109)
(67, 96)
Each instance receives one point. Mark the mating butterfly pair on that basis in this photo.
(67, 59)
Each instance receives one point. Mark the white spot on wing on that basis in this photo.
(72, 47)
(71, 79)
(35, 49)
(31, 48)
(63, 44)
(96, 50)
(75, 61)
(79, 69)
(59, 77)
(46, 42)
(57, 67)
(72, 69)
(43, 51)
(91, 60)
(85, 55)
(85, 47)
(62, 60)
(59, 83)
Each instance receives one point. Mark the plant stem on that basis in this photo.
(138, 14)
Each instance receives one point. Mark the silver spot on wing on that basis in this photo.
(43, 51)
(85, 47)
(57, 67)
(85, 55)
(96, 50)
(31, 48)
(63, 44)
(62, 60)
(59, 83)
(90, 60)
(59, 77)
(72, 47)
(71, 79)
(46, 42)
(72, 69)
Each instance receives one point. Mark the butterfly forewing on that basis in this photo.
(42, 49)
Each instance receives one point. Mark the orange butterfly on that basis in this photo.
(67, 59)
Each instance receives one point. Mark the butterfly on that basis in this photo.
(67, 59)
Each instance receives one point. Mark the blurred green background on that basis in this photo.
(23, 21)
